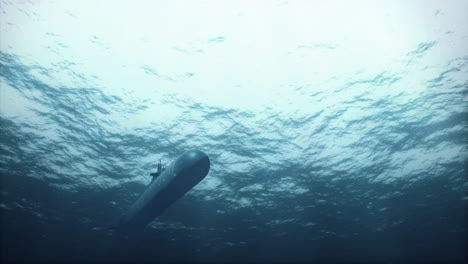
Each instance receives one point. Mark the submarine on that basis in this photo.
(167, 186)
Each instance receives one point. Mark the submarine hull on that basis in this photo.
(176, 180)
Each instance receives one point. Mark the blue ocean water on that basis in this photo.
(336, 131)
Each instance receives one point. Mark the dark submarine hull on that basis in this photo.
(176, 180)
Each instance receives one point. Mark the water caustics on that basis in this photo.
(333, 129)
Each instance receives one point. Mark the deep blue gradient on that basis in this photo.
(370, 166)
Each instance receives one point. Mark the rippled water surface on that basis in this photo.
(336, 130)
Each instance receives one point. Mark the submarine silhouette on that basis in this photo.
(168, 185)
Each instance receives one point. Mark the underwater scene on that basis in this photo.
(233, 131)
